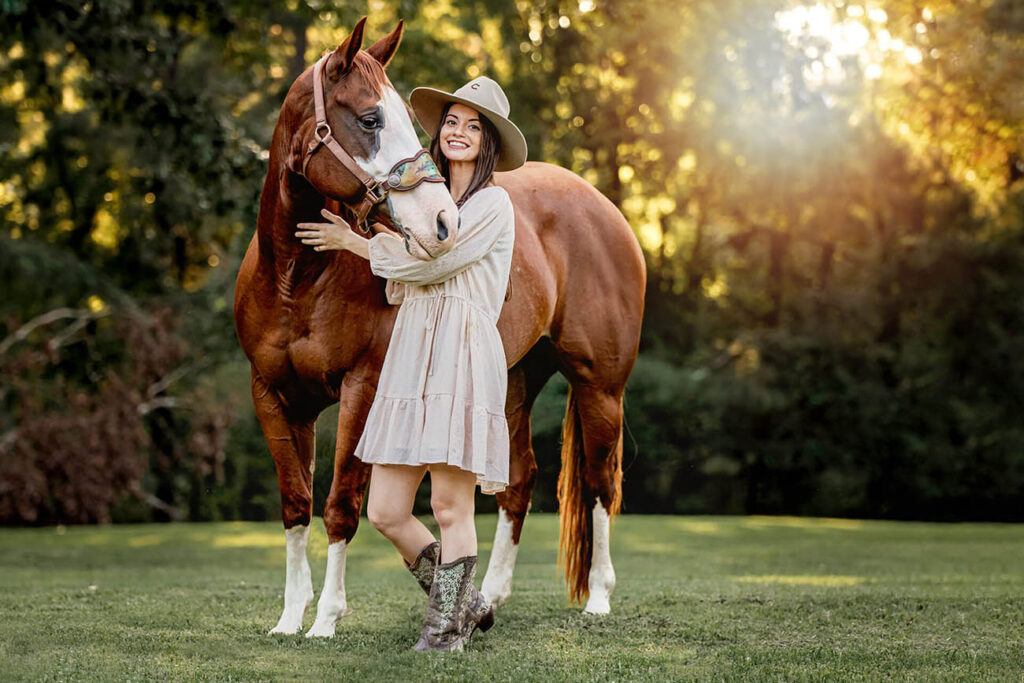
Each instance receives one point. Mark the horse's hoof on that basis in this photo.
(496, 595)
(597, 605)
(324, 629)
(324, 626)
(289, 624)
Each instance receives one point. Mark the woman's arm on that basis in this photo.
(333, 236)
(483, 224)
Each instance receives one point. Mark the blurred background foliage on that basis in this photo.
(829, 195)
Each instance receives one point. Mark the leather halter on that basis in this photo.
(405, 175)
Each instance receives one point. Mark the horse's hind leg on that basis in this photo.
(525, 381)
(341, 512)
(514, 501)
(292, 446)
(590, 493)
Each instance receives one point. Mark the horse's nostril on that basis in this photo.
(442, 229)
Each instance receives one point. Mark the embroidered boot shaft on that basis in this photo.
(425, 564)
(449, 622)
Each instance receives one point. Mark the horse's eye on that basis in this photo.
(369, 122)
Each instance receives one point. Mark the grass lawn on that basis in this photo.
(750, 598)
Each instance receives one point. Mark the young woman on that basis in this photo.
(440, 402)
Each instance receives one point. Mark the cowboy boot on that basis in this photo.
(449, 623)
(481, 613)
(424, 565)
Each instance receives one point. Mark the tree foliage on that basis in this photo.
(830, 197)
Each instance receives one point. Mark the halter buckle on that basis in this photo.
(377, 192)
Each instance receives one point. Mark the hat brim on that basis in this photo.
(428, 103)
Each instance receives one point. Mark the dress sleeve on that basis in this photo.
(395, 292)
(484, 220)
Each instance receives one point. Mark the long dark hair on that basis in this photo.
(483, 172)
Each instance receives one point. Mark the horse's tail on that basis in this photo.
(575, 544)
(575, 540)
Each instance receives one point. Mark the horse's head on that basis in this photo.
(379, 152)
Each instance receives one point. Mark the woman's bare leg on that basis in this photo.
(389, 508)
(452, 499)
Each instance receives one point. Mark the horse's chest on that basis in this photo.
(311, 359)
(289, 345)
(317, 337)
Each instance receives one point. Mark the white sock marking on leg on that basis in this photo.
(332, 605)
(602, 575)
(497, 584)
(298, 585)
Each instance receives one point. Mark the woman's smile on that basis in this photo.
(461, 133)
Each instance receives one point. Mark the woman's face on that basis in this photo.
(461, 133)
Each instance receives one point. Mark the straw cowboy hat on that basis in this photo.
(486, 97)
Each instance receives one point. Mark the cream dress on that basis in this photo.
(441, 395)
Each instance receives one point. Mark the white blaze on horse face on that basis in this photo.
(298, 584)
(416, 210)
(332, 604)
(602, 576)
(497, 584)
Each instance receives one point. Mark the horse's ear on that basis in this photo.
(384, 49)
(342, 58)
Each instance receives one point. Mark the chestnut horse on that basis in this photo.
(316, 325)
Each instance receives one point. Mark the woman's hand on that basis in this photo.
(331, 236)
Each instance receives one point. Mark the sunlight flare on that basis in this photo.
(858, 32)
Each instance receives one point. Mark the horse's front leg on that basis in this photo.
(291, 443)
(341, 514)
